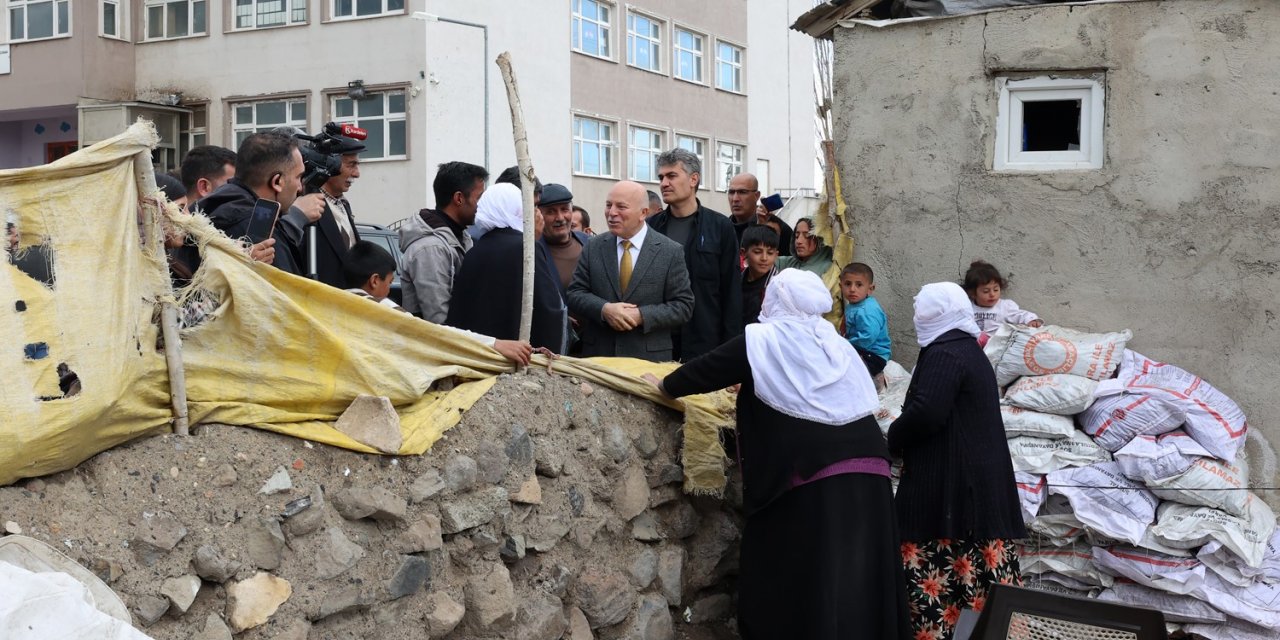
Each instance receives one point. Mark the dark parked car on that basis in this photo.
(388, 239)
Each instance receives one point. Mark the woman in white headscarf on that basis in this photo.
(819, 552)
(957, 501)
(487, 289)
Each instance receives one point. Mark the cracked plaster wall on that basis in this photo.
(1178, 235)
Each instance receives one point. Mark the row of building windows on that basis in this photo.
(592, 34)
(596, 148)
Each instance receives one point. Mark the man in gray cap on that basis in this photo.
(563, 243)
(336, 229)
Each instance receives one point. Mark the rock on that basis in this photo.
(149, 609)
(548, 462)
(12, 528)
(646, 443)
(577, 503)
(645, 529)
(393, 613)
(106, 569)
(678, 521)
(512, 549)
(214, 629)
(372, 421)
(294, 507)
(310, 520)
(426, 486)
(157, 536)
(671, 574)
(376, 503)
(616, 445)
(519, 447)
(541, 618)
(644, 569)
(472, 510)
(491, 597)
(423, 535)
(555, 580)
(493, 462)
(665, 494)
(294, 630)
(210, 564)
(666, 474)
(279, 482)
(713, 608)
(631, 496)
(443, 614)
(181, 591)
(35, 485)
(225, 475)
(332, 603)
(460, 474)
(544, 532)
(529, 493)
(653, 619)
(250, 603)
(414, 572)
(585, 530)
(604, 595)
(336, 555)
(586, 389)
(266, 543)
(708, 549)
(579, 628)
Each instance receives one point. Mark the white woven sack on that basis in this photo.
(891, 401)
(1073, 561)
(1060, 394)
(1187, 527)
(1228, 565)
(1259, 603)
(1115, 420)
(894, 372)
(1212, 418)
(1106, 501)
(1210, 483)
(1151, 569)
(1024, 422)
(1031, 493)
(1042, 455)
(1230, 630)
(1176, 608)
(1056, 523)
(1016, 351)
(1148, 459)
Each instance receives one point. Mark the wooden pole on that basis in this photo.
(527, 180)
(145, 176)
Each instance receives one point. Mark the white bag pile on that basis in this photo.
(1146, 502)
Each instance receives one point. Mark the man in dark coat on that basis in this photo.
(336, 229)
(710, 253)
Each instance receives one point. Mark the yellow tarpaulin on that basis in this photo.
(277, 352)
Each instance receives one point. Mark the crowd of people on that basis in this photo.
(828, 551)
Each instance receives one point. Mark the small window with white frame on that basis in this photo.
(248, 118)
(728, 66)
(1050, 124)
(591, 28)
(644, 42)
(594, 144)
(262, 14)
(728, 163)
(114, 21)
(195, 129)
(167, 19)
(646, 145)
(348, 9)
(39, 19)
(688, 53)
(383, 116)
(698, 147)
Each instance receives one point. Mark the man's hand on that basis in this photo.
(311, 206)
(515, 351)
(264, 252)
(622, 316)
(1036, 324)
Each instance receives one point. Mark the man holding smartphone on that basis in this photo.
(268, 168)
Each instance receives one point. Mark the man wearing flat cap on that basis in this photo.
(336, 228)
(562, 242)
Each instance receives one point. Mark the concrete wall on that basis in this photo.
(1177, 237)
(58, 71)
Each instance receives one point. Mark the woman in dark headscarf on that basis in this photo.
(957, 501)
(819, 552)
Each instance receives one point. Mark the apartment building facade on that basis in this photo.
(605, 86)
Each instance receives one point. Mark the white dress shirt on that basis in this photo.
(636, 242)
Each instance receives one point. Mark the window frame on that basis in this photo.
(575, 22)
(68, 30)
(387, 118)
(122, 19)
(676, 50)
(612, 145)
(332, 7)
(702, 157)
(725, 176)
(231, 9)
(654, 152)
(741, 66)
(147, 5)
(656, 48)
(1089, 89)
(232, 103)
(191, 131)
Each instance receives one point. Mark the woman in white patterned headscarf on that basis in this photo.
(819, 549)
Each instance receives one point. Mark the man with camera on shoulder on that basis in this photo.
(336, 228)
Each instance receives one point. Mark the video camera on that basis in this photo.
(320, 157)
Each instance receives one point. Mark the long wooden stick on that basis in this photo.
(145, 177)
(527, 180)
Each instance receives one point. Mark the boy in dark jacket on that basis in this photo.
(759, 253)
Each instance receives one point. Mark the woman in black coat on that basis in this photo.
(957, 501)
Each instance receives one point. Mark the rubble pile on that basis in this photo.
(1133, 481)
(552, 510)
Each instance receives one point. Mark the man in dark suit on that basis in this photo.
(631, 287)
(336, 229)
